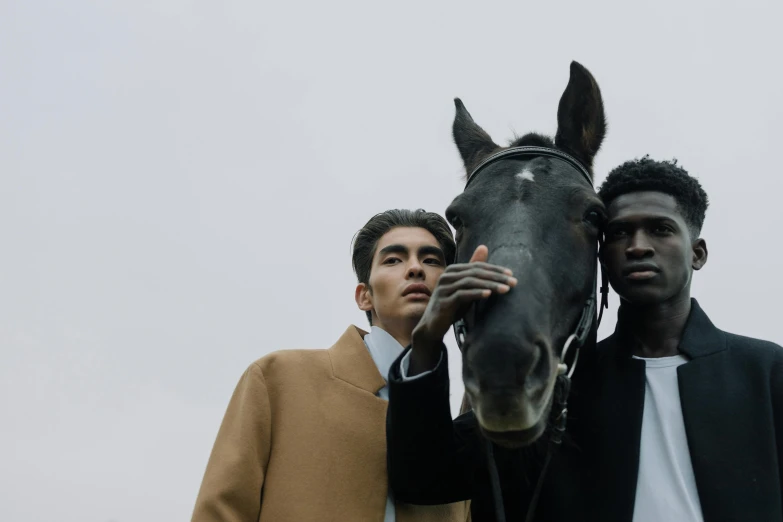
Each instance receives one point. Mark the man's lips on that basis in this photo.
(641, 271)
(417, 290)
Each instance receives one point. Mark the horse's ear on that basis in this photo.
(472, 141)
(581, 123)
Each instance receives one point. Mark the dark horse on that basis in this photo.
(534, 207)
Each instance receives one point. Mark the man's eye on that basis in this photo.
(663, 230)
(433, 261)
(391, 261)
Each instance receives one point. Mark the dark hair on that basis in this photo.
(660, 176)
(366, 240)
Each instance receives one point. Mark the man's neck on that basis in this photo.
(657, 329)
(400, 330)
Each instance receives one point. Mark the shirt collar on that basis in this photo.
(384, 349)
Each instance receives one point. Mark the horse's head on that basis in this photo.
(540, 217)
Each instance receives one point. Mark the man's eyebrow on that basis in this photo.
(432, 250)
(621, 221)
(393, 249)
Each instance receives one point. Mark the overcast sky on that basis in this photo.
(180, 181)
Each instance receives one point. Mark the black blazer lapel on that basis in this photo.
(705, 399)
(714, 403)
(619, 407)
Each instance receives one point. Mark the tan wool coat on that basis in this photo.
(304, 439)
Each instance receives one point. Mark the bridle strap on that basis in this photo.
(585, 324)
(546, 152)
(604, 286)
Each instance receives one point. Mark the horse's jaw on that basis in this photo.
(516, 420)
(515, 439)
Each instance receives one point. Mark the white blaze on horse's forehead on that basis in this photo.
(527, 175)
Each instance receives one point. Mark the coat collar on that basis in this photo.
(699, 339)
(352, 362)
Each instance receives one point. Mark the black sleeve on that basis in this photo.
(430, 457)
(776, 388)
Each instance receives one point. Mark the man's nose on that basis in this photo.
(415, 269)
(639, 246)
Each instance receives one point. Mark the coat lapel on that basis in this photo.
(359, 422)
(706, 397)
(619, 406)
(352, 362)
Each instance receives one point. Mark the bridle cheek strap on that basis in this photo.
(585, 324)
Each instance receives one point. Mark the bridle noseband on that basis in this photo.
(575, 340)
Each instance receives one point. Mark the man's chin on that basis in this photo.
(415, 309)
(411, 315)
(641, 294)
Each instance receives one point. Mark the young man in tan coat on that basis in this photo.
(304, 435)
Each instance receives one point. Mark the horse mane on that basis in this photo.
(533, 139)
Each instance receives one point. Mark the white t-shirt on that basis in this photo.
(666, 488)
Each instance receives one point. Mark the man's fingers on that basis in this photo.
(478, 274)
(461, 267)
(481, 254)
(467, 295)
(471, 283)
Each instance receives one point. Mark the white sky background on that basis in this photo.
(180, 182)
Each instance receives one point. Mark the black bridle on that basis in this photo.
(575, 340)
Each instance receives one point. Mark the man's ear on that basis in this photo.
(363, 297)
(699, 254)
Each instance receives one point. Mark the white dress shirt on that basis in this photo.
(384, 349)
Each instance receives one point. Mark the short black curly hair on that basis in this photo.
(660, 176)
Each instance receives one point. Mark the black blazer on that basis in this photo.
(731, 392)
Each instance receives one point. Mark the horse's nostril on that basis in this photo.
(536, 359)
(471, 384)
(531, 369)
(526, 364)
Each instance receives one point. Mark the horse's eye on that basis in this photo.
(594, 218)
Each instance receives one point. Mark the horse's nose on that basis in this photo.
(504, 366)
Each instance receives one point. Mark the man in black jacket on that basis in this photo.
(670, 418)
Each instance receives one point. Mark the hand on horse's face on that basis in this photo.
(460, 285)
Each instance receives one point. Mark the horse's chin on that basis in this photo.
(516, 438)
